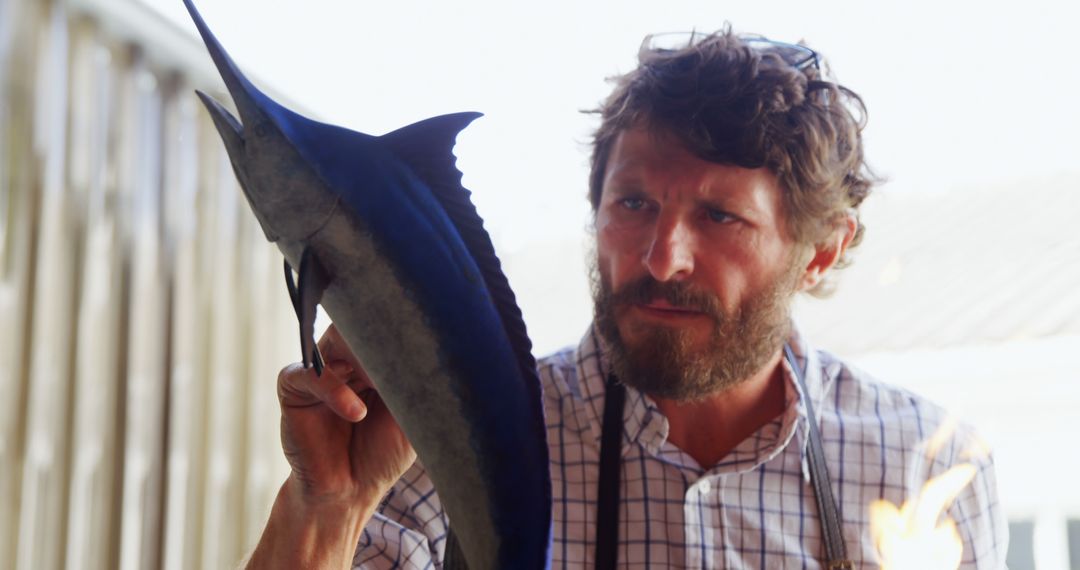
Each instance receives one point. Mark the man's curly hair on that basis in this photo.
(740, 101)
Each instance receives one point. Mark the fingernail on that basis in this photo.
(358, 410)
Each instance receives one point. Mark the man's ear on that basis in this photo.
(828, 252)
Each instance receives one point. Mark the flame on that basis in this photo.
(916, 536)
(941, 436)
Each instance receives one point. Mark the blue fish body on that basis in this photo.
(409, 276)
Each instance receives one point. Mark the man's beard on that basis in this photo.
(664, 361)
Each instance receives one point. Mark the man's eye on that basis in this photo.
(719, 216)
(632, 203)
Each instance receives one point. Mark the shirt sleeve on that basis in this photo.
(409, 529)
(979, 516)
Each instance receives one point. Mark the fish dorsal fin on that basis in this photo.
(427, 146)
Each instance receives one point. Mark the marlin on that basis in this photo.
(385, 237)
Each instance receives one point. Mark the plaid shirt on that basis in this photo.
(754, 509)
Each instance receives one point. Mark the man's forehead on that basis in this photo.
(638, 150)
(640, 155)
(641, 141)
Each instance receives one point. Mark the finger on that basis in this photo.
(346, 403)
(300, 387)
(333, 347)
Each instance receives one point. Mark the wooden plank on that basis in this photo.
(44, 477)
(186, 187)
(140, 534)
(93, 517)
(222, 511)
(19, 211)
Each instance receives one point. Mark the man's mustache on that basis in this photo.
(680, 295)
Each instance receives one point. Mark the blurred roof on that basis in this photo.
(971, 266)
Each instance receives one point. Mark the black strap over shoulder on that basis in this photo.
(607, 505)
(607, 520)
(835, 549)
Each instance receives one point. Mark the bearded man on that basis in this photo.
(693, 426)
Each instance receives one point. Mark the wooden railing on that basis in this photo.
(142, 315)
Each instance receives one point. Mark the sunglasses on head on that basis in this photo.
(798, 56)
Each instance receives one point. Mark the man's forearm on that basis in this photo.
(302, 535)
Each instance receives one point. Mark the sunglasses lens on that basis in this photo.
(797, 56)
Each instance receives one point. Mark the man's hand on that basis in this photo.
(346, 451)
(339, 438)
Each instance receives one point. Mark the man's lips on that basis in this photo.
(664, 309)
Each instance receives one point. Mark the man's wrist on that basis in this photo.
(343, 509)
(303, 532)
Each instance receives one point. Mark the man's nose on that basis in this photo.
(670, 256)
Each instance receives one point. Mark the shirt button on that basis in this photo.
(704, 487)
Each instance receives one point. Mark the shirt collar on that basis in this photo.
(647, 426)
